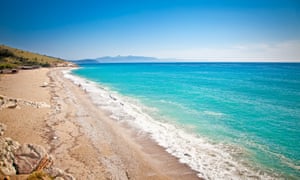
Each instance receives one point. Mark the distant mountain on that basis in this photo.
(116, 59)
(127, 59)
(84, 61)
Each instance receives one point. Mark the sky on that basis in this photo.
(205, 30)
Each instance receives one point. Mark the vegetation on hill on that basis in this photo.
(13, 58)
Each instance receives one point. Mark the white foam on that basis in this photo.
(212, 113)
(212, 161)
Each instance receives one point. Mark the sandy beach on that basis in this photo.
(82, 138)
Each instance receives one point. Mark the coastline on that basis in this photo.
(83, 139)
(209, 159)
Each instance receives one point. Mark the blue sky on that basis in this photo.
(214, 30)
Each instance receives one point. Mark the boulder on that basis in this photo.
(28, 157)
(26, 161)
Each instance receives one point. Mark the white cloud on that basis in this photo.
(282, 51)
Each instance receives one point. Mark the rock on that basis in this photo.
(1, 101)
(45, 84)
(2, 129)
(186, 154)
(12, 103)
(58, 174)
(7, 147)
(28, 158)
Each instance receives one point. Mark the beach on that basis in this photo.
(82, 138)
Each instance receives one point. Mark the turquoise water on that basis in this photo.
(253, 107)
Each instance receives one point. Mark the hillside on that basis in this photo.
(14, 58)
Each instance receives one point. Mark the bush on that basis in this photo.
(7, 66)
(46, 64)
(5, 53)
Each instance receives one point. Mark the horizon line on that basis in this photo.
(159, 59)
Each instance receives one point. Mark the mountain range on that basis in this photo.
(117, 59)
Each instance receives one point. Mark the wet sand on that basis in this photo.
(82, 138)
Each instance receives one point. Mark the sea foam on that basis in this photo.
(210, 160)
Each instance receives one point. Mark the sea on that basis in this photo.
(224, 120)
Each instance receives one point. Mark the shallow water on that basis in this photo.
(226, 120)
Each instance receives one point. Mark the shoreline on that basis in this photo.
(83, 139)
(122, 154)
(207, 159)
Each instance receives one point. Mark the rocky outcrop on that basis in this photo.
(7, 147)
(26, 159)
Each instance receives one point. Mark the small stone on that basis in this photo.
(11, 104)
(1, 101)
(2, 129)
(45, 84)
(186, 154)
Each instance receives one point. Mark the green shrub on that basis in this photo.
(46, 64)
(7, 66)
(6, 53)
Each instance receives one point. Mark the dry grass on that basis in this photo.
(12, 58)
(39, 175)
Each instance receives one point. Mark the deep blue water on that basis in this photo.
(252, 106)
